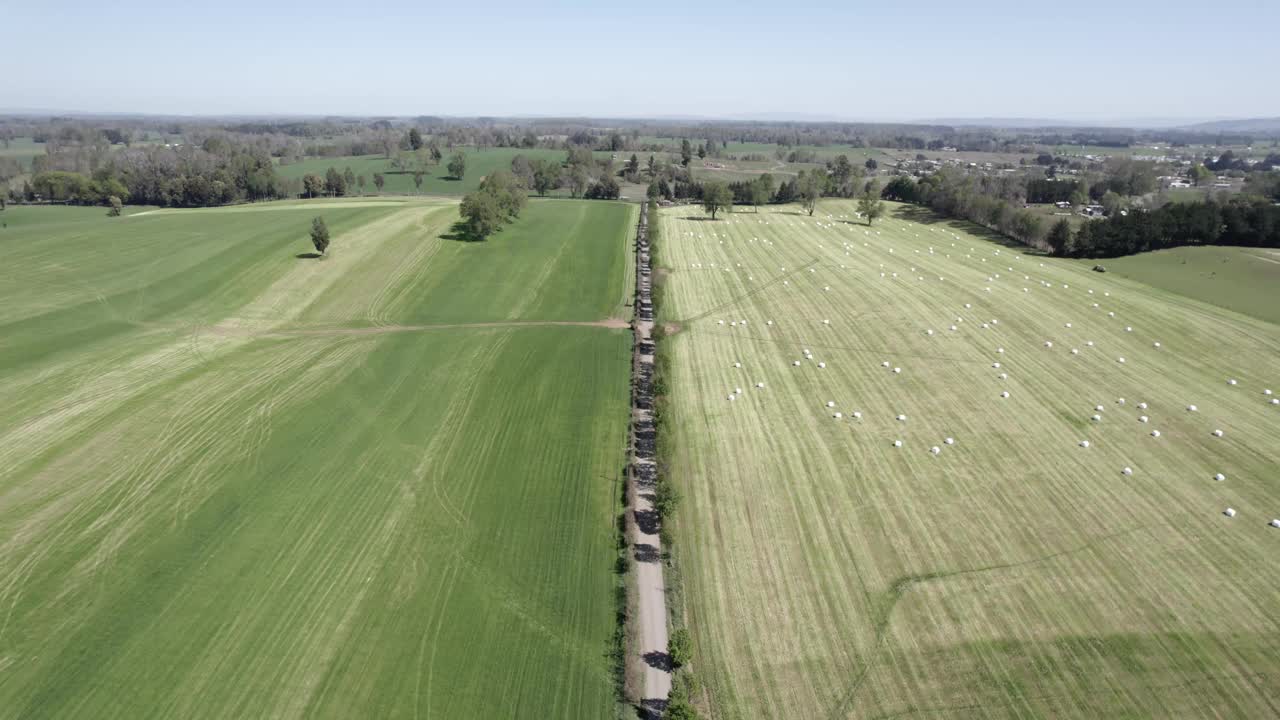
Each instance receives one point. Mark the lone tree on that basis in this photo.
(361, 182)
(319, 234)
(686, 152)
(498, 200)
(415, 139)
(417, 180)
(870, 204)
(379, 181)
(457, 165)
(810, 186)
(716, 196)
(113, 201)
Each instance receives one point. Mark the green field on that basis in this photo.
(826, 573)
(479, 164)
(23, 148)
(1245, 280)
(239, 483)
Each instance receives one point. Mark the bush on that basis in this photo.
(680, 648)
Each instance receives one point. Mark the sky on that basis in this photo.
(1084, 61)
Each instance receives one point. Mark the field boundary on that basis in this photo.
(651, 652)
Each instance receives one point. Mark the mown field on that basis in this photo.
(826, 573)
(1246, 280)
(239, 483)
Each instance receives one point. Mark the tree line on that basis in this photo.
(1242, 220)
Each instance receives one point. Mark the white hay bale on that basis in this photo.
(1099, 408)
(1266, 392)
(831, 403)
(796, 363)
(928, 332)
(1142, 406)
(897, 370)
(1068, 325)
(950, 441)
(760, 385)
(1097, 418)
(1155, 433)
(768, 322)
(737, 364)
(897, 443)
(1004, 376)
(967, 306)
(995, 365)
(857, 415)
(1142, 418)
(1127, 471)
(1119, 401)
(1155, 345)
(1128, 329)
(1231, 381)
(935, 449)
(1219, 477)
(721, 322)
(1275, 523)
(1229, 512)
(884, 364)
(1089, 343)
(822, 365)
(953, 328)
(1004, 394)
(995, 322)
(901, 418)
(838, 416)
(737, 391)
(826, 322)
(1075, 351)
(1275, 401)
(1048, 343)
(1120, 360)
(1217, 433)
(1191, 408)
(1000, 350)
(1084, 443)
(826, 288)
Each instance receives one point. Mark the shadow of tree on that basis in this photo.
(658, 660)
(307, 255)
(459, 232)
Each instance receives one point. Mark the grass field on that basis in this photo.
(1245, 280)
(479, 164)
(827, 573)
(238, 483)
(23, 148)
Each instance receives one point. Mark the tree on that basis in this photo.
(686, 152)
(498, 200)
(809, 186)
(870, 205)
(871, 164)
(348, 178)
(761, 190)
(633, 167)
(360, 181)
(379, 181)
(1199, 174)
(334, 183)
(113, 201)
(716, 196)
(578, 180)
(457, 165)
(1059, 238)
(313, 184)
(436, 154)
(319, 235)
(415, 139)
(417, 180)
(680, 648)
(653, 169)
(546, 176)
(702, 151)
(1112, 203)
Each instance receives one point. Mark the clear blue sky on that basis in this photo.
(881, 60)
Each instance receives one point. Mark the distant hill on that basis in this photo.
(1253, 125)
